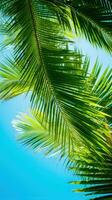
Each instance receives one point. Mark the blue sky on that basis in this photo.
(23, 174)
(104, 58)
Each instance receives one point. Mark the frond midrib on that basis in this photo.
(52, 89)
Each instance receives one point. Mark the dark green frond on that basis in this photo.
(92, 19)
(95, 173)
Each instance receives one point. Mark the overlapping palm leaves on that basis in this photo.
(94, 167)
(95, 173)
(10, 83)
(94, 15)
(72, 106)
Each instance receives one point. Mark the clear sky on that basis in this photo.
(23, 174)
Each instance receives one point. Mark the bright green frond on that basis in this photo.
(36, 135)
(10, 83)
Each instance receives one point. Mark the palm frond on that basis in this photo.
(10, 83)
(101, 86)
(54, 73)
(95, 173)
(75, 103)
(35, 134)
(93, 167)
(103, 89)
(92, 19)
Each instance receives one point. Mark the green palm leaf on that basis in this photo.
(54, 73)
(92, 19)
(10, 83)
(96, 174)
(94, 167)
(101, 86)
(35, 134)
(71, 106)
(103, 89)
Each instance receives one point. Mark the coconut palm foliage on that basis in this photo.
(94, 15)
(35, 134)
(72, 105)
(95, 173)
(52, 71)
(10, 83)
(74, 94)
(93, 167)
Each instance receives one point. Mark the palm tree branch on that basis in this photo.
(97, 16)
